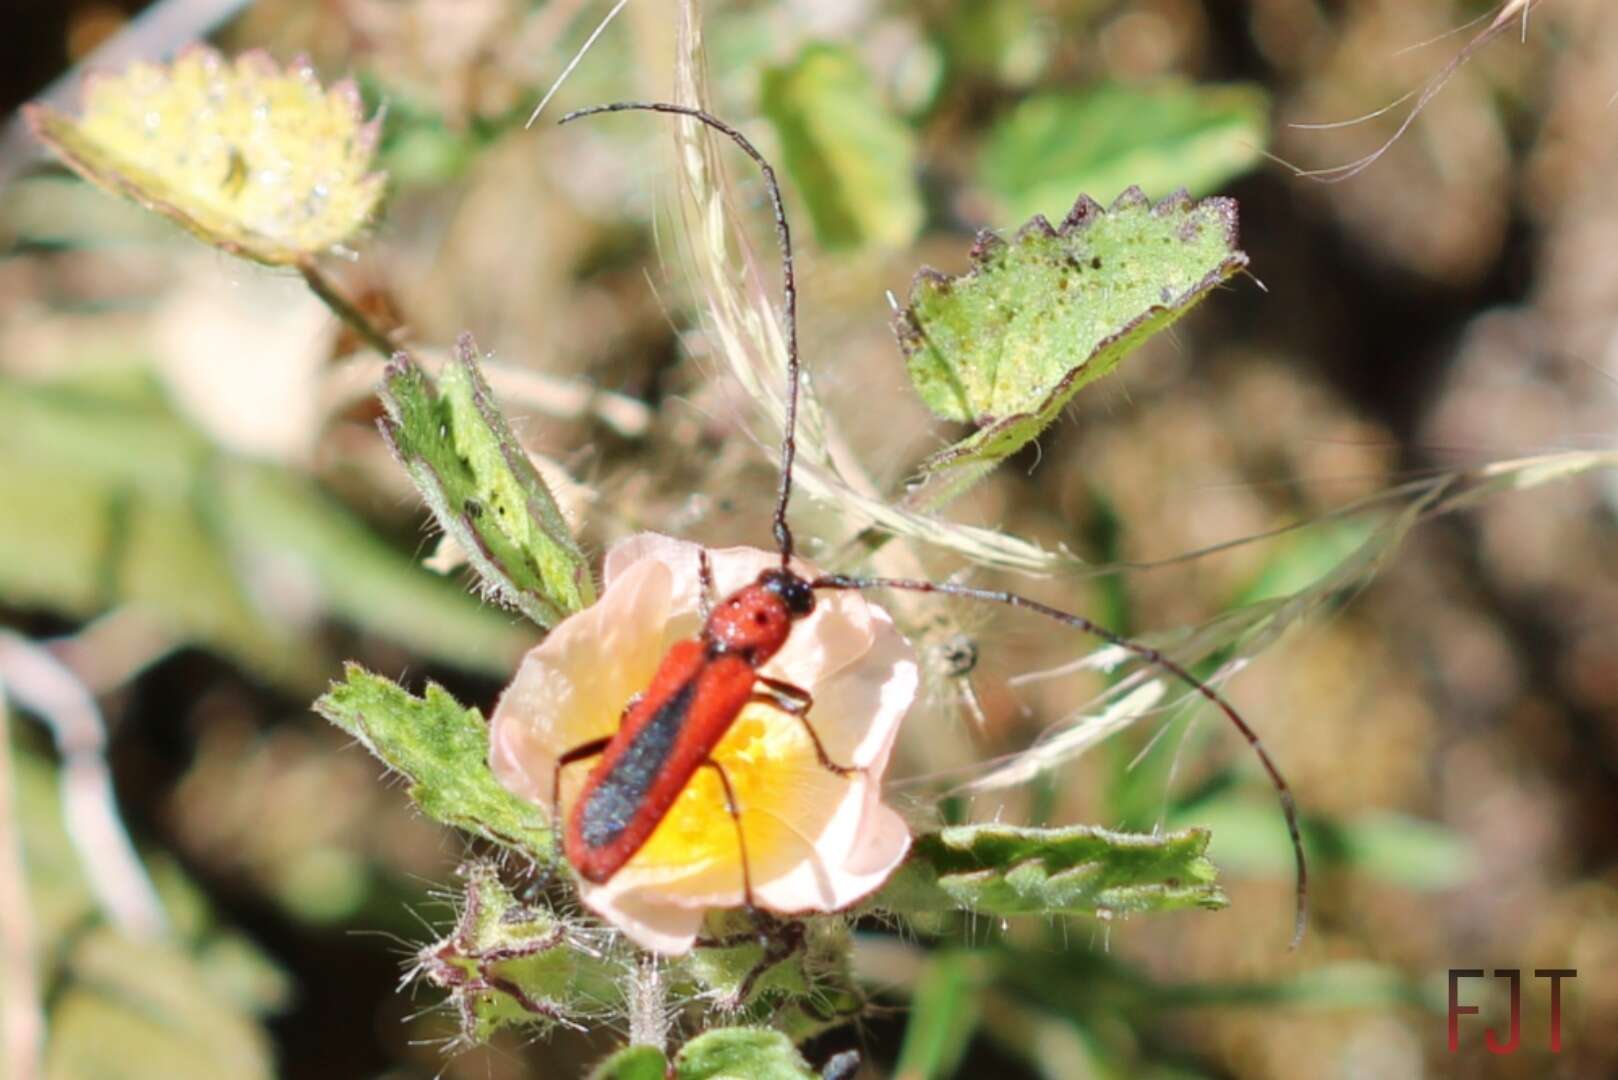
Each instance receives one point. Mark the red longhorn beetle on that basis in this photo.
(702, 685)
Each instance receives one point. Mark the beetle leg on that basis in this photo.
(781, 938)
(796, 701)
(741, 837)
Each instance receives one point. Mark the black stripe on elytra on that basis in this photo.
(614, 801)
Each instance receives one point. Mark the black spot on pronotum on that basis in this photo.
(1095, 263)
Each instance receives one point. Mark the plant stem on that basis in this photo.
(648, 1024)
(344, 308)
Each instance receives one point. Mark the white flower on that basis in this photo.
(816, 840)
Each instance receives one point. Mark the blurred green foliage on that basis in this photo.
(854, 162)
(190, 1006)
(1101, 140)
(113, 500)
(945, 1007)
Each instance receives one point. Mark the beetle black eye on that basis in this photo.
(792, 589)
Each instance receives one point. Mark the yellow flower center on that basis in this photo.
(780, 790)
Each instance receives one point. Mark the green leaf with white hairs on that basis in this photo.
(853, 160)
(442, 748)
(1161, 137)
(633, 1063)
(1004, 870)
(741, 1052)
(1007, 344)
(507, 963)
(482, 488)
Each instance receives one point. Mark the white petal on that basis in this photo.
(661, 927)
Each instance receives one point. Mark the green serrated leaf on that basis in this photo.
(442, 747)
(741, 1053)
(1102, 140)
(852, 159)
(1079, 870)
(509, 963)
(482, 488)
(741, 971)
(1007, 344)
(633, 1063)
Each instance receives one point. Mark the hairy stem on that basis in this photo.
(648, 1017)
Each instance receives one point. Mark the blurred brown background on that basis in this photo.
(1451, 730)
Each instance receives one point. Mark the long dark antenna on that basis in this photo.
(1153, 656)
(789, 288)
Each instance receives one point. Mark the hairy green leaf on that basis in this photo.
(633, 1063)
(442, 748)
(482, 488)
(741, 1053)
(854, 162)
(1007, 344)
(1102, 140)
(1079, 870)
(508, 963)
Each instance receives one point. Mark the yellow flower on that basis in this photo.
(816, 840)
(262, 162)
